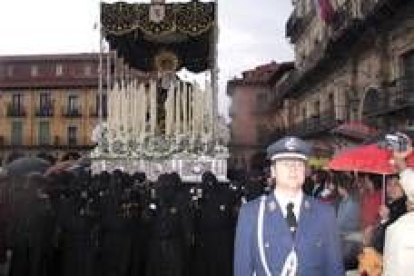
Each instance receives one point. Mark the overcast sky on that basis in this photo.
(252, 32)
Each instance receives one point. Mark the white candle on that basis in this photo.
(143, 112)
(169, 109)
(192, 111)
(153, 95)
(198, 110)
(185, 110)
(178, 109)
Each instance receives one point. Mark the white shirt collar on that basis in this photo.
(284, 200)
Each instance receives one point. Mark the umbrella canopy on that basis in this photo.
(356, 130)
(26, 165)
(59, 167)
(368, 159)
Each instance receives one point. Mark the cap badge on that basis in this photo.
(290, 144)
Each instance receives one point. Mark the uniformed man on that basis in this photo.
(287, 233)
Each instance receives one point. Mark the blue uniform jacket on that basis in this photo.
(316, 241)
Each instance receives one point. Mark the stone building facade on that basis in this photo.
(357, 65)
(354, 62)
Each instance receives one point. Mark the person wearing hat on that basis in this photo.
(399, 238)
(286, 232)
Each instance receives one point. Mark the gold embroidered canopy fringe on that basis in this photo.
(185, 29)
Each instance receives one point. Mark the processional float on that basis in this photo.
(156, 122)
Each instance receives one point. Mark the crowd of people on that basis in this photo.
(366, 204)
(116, 224)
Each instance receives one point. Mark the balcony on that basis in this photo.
(352, 21)
(45, 111)
(285, 86)
(392, 99)
(293, 26)
(72, 113)
(346, 17)
(315, 125)
(16, 111)
(314, 58)
(297, 24)
(72, 141)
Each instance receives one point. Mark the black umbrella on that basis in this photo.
(26, 165)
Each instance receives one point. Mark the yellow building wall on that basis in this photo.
(58, 122)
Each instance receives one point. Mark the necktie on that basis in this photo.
(291, 218)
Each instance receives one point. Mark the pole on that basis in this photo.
(214, 73)
(384, 190)
(100, 82)
(108, 80)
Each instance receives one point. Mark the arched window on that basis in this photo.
(408, 63)
(371, 102)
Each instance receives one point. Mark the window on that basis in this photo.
(408, 61)
(87, 70)
(44, 133)
(17, 101)
(45, 100)
(17, 133)
(34, 71)
(10, 70)
(311, 7)
(45, 104)
(331, 101)
(73, 104)
(72, 135)
(317, 108)
(59, 70)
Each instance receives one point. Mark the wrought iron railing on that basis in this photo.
(16, 110)
(72, 113)
(315, 124)
(398, 95)
(298, 23)
(45, 111)
(293, 24)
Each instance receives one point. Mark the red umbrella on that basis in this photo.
(368, 159)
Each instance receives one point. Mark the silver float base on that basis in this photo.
(190, 170)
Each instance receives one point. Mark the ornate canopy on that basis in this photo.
(152, 36)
